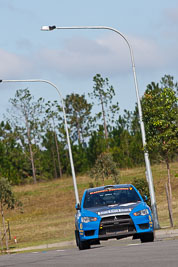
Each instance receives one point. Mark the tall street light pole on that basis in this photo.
(66, 127)
(146, 156)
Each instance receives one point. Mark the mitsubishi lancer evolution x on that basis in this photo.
(114, 211)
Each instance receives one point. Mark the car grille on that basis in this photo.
(116, 225)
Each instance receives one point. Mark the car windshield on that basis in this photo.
(111, 197)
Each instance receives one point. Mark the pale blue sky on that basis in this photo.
(71, 58)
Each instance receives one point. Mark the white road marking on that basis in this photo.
(133, 244)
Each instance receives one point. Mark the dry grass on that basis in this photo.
(48, 207)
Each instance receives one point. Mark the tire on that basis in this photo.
(81, 244)
(147, 237)
(77, 237)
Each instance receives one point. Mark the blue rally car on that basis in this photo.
(114, 211)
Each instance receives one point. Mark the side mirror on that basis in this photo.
(145, 198)
(77, 206)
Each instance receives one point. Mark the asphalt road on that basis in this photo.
(126, 253)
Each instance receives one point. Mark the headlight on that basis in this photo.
(88, 219)
(141, 212)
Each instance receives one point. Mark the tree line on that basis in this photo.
(33, 143)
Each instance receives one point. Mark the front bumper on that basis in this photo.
(116, 226)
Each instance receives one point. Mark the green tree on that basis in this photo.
(26, 113)
(53, 118)
(12, 160)
(104, 93)
(122, 124)
(50, 158)
(96, 145)
(80, 158)
(135, 125)
(7, 200)
(161, 120)
(79, 117)
(136, 146)
(125, 143)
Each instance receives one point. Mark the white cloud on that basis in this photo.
(78, 57)
(13, 65)
(148, 54)
(108, 54)
(81, 57)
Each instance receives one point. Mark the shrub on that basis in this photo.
(105, 168)
(142, 186)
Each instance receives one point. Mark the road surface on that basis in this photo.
(122, 253)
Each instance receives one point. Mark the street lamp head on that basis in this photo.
(48, 28)
(0, 81)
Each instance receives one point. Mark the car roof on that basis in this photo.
(108, 187)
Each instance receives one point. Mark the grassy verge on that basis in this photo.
(48, 207)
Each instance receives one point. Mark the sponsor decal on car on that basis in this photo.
(110, 190)
(113, 211)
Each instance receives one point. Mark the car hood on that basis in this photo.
(114, 209)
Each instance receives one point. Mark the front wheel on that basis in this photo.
(81, 244)
(147, 237)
